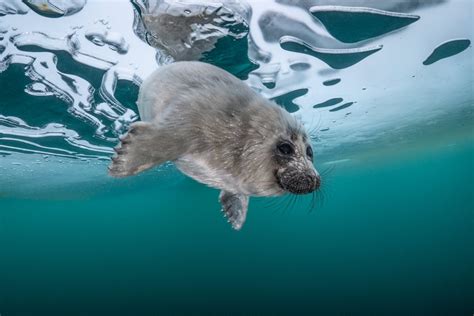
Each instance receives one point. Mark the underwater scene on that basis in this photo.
(383, 89)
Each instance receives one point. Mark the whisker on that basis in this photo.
(328, 170)
(311, 208)
(293, 202)
(288, 203)
(322, 197)
(272, 202)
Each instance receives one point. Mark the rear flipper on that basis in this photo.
(143, 147)
(235, 208)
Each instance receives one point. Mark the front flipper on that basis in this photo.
(234, 207)
(143, 147)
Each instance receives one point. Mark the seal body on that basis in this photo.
(219, 132)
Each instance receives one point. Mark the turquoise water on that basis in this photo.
(385, 87)
(393, 237)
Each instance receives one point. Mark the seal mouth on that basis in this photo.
(296, 183)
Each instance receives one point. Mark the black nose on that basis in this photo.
(314, 182)
(296, 182)
(305, 184)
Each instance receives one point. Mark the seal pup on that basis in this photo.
(219, 132)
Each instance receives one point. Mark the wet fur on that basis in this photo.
(216, 130)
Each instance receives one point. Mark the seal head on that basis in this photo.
(293, 156)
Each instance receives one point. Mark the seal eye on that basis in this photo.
(309, 152)
(285, 149)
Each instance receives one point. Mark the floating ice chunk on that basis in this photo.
(257, 53)
(334, 58)
(184, 30)
(273, 25)
(56, 8)
(40, 39)
(12, 7)
(105, 110)
(331, 82)
(389, 5)
(341, 107)
(286, 100)
(115, 40)
(327, 103)
(268, 74)
(300, 66)
(109, 84)
(447, 49)
(38, 89)
(73, 90)
(70, 44)
(214, 31)
(15, 130)
(41, 56)
(354, 24)
(122, 116)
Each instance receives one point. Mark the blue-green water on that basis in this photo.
(392, 237)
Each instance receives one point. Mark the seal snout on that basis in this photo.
(317, 182)
(299, 183)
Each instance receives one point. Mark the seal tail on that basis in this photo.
(143, 147)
